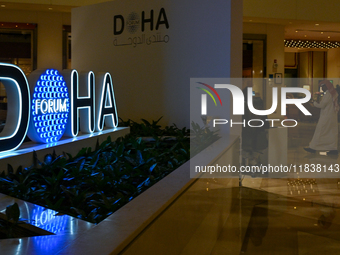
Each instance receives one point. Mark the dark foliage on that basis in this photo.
(95, 183)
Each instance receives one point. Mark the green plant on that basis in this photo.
(12, 219)
(13, 212)
(152, 129)
(95, 183)
(201, 138)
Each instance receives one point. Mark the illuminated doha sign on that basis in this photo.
(50, 105)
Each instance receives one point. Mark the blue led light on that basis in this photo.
(50, 106)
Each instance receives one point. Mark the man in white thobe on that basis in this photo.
(326, 133)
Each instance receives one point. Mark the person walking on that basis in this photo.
(325, 137)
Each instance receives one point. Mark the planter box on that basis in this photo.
(61, 228)
(130, 223)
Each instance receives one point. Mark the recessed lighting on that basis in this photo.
(322, 33)
(296, 31)
(317, 24)
(250, 20)
(307, 44)
(3, 6)
(329, 37)
(50, 8)
(305, 35)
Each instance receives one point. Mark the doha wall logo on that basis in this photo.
(137, 28)
(51, 104)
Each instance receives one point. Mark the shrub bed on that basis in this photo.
(95, 183)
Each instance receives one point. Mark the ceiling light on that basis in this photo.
(3, 6)
(306, 44)
(317, 24)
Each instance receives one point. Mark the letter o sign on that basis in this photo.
(50, 106)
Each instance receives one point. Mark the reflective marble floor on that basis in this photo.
(268, 214)
(289, 214)
(292, 215)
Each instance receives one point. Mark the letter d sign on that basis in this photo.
(18, 107)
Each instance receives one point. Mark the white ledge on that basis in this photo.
(113, 234)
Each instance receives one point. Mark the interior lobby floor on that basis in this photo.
(265, 215)
(291, 215)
